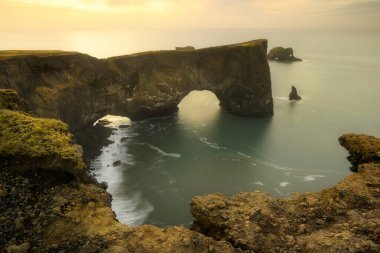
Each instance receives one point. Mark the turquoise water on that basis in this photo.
(200, 150)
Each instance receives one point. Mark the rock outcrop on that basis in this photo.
(79, 89)
(282, 54)
(362, 149)
(345, 218)
(294, 94)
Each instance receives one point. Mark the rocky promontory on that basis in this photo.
(282, 54)
(80, 89)
(48, 204)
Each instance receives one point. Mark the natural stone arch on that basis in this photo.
(237, 74)
(80, 89)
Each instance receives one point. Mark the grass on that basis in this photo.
(27, 142)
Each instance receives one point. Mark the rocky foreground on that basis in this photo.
(49, 203)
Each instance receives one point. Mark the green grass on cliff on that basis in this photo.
(27, 142)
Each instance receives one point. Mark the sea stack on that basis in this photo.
(294, 95)
(282, 54)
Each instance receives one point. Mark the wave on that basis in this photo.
(131, 209)
(212, 144)
(312, 177)
(160, 151)
(282, 98)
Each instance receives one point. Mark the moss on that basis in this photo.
(9, 99)
(27, 142)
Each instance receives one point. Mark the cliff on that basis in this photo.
(79, 89)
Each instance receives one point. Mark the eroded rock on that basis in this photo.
(294, 94)
(282, 54)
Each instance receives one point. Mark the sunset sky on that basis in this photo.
(162, 14)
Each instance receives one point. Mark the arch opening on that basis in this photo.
(198, 107)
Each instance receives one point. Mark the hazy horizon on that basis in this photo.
(159, 14)
(105, 28)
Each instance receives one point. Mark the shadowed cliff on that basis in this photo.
(78, 88)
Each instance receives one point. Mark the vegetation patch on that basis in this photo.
(27, 142)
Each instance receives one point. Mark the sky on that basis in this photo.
(168, 14)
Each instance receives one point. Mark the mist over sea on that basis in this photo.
(201, 150)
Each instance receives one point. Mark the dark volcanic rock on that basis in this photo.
(294, 95)
(79, 89)
(116, 163)
(282, 54)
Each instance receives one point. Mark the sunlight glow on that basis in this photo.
(102, 6)
(158, 14)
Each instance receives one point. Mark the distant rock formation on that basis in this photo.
(282, 54)
(187, 48)
(294, 95)
(80, 89)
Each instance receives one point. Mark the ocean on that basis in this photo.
(164, 162)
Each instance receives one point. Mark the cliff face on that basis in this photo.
(78, 88)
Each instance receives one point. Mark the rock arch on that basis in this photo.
(237, 74)
(79, 89)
